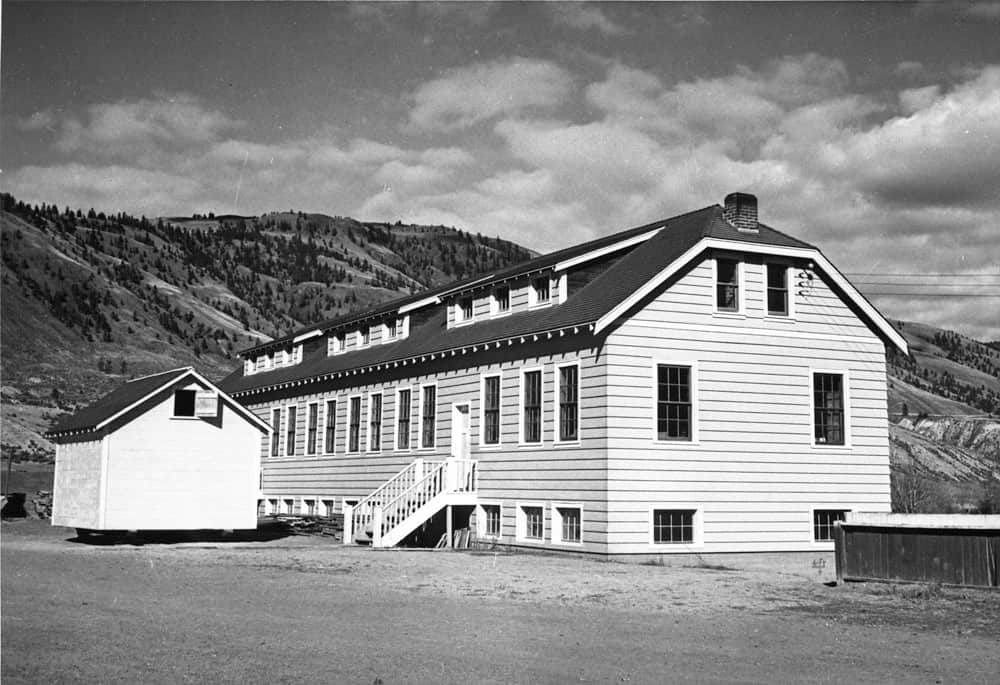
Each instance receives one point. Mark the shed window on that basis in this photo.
(673, 402)
(727, 298)
(184, 402)
(828, 408)
(531, 391)
(366, 336)
(541, 287)
(465, 309)
(673, 526)
(823, 521)
(777, 290)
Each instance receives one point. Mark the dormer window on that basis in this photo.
(366, 336)
(465, 308)
(336, 344)
(501, 299)
(184, 402)
(296, 355)
(260, 362)
(727, 285)
(392, 329)
(540, 292)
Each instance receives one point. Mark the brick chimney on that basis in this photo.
(741, 211)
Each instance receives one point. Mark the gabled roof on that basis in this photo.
(669, 246)
(131, 395)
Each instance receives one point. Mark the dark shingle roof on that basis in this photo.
(88, 418)
(582, 308)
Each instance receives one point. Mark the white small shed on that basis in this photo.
(164, 452)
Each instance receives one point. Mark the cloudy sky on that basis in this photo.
(872, 130)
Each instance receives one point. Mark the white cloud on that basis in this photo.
(584, 17)
(466, 96)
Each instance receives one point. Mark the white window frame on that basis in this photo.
(319, 425)
(789, 276)
(276, 432)
(533, 302)
(287, 505)
(458, 317)
(482, 411)
(555, 403)
(296, 355)
(395, 420)
(481, 519)
(295, 429)
(495, 310)
(695, 384)
(741, 286)
(248, 367)
(848, 414)
(437, 417)
(556, 523)
(361, 344)
(336, 344)
(521, 523)
(361, 425)
(823, 544)
(330, 449)
(302, 505)
(381, 422)
(520, 408)
(328, 510)
(697, 531)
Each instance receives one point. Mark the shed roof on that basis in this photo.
(123, 398)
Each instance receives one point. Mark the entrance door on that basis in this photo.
(461, 435)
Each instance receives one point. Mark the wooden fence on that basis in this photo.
(951, 549)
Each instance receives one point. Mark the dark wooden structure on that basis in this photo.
(948, 549)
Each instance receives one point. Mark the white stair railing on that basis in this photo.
(407, 492)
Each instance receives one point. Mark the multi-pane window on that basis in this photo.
(309, 507)
(331, 426)
(275, 431)
(673, 402)
(428, 416)
(531, 429)
(541, 287)
(392, 329)
(354, 426)
(534, 523)
(777, 290)
(366, 335)
(311, 428)
(290, 446)
(491, 520)
(491, 410)
(828, 408)
(823, 520)
(465, 309)
(329, 508)
(403, 419)
(375, 422)
(570, 523)
(502, 298)
(727, 287)
(673, 526)
(569, 403)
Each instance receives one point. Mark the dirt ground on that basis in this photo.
(301, 610)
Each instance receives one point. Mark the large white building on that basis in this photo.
(703, 384)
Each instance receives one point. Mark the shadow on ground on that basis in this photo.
(265, 532)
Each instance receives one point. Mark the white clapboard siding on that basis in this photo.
(753, 474)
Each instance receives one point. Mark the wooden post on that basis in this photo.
(377, 526)
(348, 524)
(448, 525)
(839, 553)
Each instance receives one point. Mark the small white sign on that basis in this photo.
(206, 403)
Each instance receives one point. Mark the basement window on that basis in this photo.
(673, 526)
(823, 523)
(566, 524)
(530, 522)
(184, 402)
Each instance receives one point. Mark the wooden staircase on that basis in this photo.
(412, 496)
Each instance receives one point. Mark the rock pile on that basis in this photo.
(39, 505)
